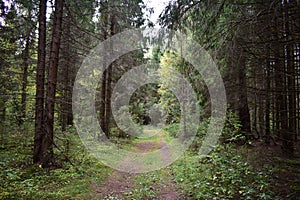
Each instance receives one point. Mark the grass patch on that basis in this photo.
(21, 180)
(223, 175)
(147, 185)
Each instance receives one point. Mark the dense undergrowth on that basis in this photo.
(72, 180)
(222, 175)
(227, 173)
(235, 171)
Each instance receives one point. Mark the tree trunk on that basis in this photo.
(236, 86)
(243, 109)
(66, 100)
(109, 82)
(281, 116)
(103, 123)
(288, 144)
(26, 55)
(106, 85)
(40, 78)
(267, 107)
(47, 145)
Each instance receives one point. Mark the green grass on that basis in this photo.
(225, 174)
(21, 180)
(147, 186)
(154, 138)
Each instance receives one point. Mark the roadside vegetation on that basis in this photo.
(230, 172)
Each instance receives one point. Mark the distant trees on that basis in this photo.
(274, 52)
(257, 45)
(115, 16)
(17, 57)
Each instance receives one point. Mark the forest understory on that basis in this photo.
(250, 171)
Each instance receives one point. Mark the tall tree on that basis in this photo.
(48, 140)
(115, 16)
(40, 84)
(288, 136)
(44, 136)
(26, 56)
(261, 44)
(109, 82)
(78, 37)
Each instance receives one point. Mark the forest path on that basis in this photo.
(152, 185)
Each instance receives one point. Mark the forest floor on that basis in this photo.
(231, 171)
(285, 178)
(162, 184)
(123, 185)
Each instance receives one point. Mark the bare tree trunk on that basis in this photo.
(109, 81)
(279, 84)
(254, 119)
(108, 99)
(243, 109)
(297, 63)
(267, 107)
(103, 123)
(26, 55)
(47, 145)
(40, 80)
(236, 86)
(66, 100)
(279, 78)
(102, 103)
(288, 144)
(298, 90)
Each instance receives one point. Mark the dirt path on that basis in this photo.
(119, 184)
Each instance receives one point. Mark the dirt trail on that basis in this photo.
(119, 183)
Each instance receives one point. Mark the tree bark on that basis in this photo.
(26, 55)
(236, 85)
(103, 123)
(109, 81)
(47, 145)
(66, 100)
(280, 103)
(40, 78)
(267, 107)
(243, 109)
(288, 143)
